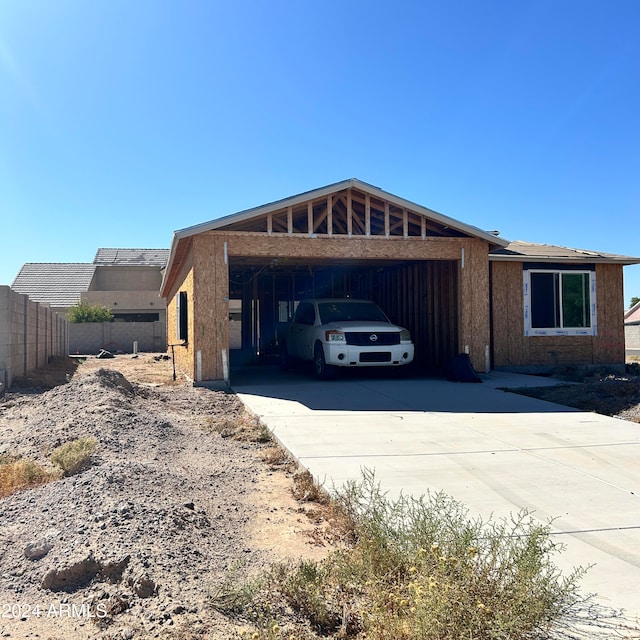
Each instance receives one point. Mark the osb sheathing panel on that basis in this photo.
(474, 301)
(511, 348)
(609, 345)
(211, 305)
(260, 245)
(560, 350)
(184, 354)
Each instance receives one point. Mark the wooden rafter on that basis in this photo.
(348, 212)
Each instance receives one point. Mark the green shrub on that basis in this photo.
(85, 312)
(74, 456)
(422, 568)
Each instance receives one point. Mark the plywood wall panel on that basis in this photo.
(510, 347)
(474, 302)
(258, 245)
(609, 345)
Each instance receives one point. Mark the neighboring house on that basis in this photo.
(127, 281)
(510, 305)
(632, 327)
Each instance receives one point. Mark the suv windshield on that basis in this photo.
(346, 311)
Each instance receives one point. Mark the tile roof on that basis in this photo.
(132, 257)
(58, 284)
(519, 250)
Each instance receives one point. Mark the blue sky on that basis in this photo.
(123, 120)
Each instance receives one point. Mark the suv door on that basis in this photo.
(301, 335)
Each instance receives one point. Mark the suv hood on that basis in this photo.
(360, 325)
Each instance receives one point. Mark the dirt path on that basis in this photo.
(135, 545)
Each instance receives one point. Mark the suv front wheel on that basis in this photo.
(322, 370)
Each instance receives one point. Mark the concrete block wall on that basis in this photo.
(30, 333)
(89, 337)
(632, 336)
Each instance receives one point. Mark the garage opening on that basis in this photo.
(419, 295)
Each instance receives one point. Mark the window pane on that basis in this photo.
(545, 308)
(575, 300)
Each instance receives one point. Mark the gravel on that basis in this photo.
(133, 545)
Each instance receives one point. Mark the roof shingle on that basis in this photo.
(519, 250)
(132, 257)
(58, 284)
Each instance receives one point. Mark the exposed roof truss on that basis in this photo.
(350, 212)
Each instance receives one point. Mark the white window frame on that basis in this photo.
(559, 331)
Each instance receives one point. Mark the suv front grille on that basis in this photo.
(381, 339)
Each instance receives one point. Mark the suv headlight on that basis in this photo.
(405, 336)
(335, 336)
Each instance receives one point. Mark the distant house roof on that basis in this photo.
(132, 257)
(529, 251)
(59, 284)
(633, 315)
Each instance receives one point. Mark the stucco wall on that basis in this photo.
(128, 301)
(126, 279)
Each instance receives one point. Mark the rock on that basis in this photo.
(72, 577)
(38, 549)
(112, 571)
(143, 586)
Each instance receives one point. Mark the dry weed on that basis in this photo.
(17, 474)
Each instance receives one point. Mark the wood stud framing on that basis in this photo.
(351, 213)
(367, 215)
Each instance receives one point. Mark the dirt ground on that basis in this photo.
(182, 492)
(176, 499)
(616, 396)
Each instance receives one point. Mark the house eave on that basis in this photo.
(621, 260)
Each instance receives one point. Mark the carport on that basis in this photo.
(232, 283)
(421, 295)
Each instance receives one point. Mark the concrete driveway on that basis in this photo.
(496, 452)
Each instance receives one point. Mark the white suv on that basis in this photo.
(337, 332)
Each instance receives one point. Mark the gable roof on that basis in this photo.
(519, 251)
(59, 284)
(633, 315)
(416, 216)
(322, 192)
(132, 257)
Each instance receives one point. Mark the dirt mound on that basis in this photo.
(139, 538)
(111, 379)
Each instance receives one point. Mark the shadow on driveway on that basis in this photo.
(382, 390)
